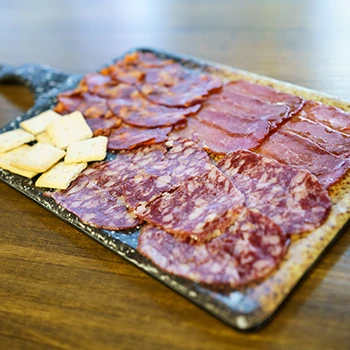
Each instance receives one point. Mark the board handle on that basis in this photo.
(39, 79)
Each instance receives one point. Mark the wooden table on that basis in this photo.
(58, 289)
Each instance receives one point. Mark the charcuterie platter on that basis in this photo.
(222, 184)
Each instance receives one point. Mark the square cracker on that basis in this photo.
(44, 138)
(39, 158)
(87, 150)
(60, 175)
(7, 158)
(38, 124)
(14, 138)
(68, 129)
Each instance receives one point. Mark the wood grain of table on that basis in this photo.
(59, 289)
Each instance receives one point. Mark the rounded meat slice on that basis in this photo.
(174, 86)
(128, 137)
(102, 126)
(248, 251)
(291, 197)
(184, 159)
(201, 208)
(135, 110)
(94, 206)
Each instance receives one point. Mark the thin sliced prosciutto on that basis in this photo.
(267, 93)
(290, 148)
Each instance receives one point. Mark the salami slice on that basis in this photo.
(94, 81)
(267, 93)
(135, 110)
(130, 70)
(333, 117)
(184, 159)
(247, 252)
(102, 126)
(128, 137)
(91, 106)
(291, 197)
(175, 86)
(94, 206)
(330, 140)
(290, 148)
(197, 211)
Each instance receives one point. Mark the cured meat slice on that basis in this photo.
(248, 251)
(267, 93)
(214, 140)
(330, 140)
(91, 106)
(200, 209)
(138, 111)
(128, 137)
(102, 126)
(333, 117)
(175, 86)
(247, 106)
(93, 81)
(130, 70)
(291, 197)
(94, 206)
(290, 148)
(184, 159)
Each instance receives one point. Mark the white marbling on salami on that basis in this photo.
(291, 197)
(201, 208)
(247, 251)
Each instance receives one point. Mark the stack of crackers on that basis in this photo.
(57, 137)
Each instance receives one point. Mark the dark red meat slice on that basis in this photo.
(137, 111)
(292, 149)
(175, 86)
(130, 70)
(102, 126)
(128, 137)
(91, 106)
(247, 106)
(267, 93)
(333, 117)
(330, 140)
(291, 197)
(94, 206)
(201, 208)
(184, 159)
(248, 251)
(213, 139)
(93, 81)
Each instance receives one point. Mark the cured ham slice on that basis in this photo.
(247, 251)
(290, 148)
(333, 141)
(128, 137)
(267, 93)
(333, 117)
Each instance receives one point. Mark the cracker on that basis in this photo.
(87, 150)
(39, 158)
(60, 175)
(38, 124)
(44, 138)
(14, 138)
(7, 158)
(68, 129)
